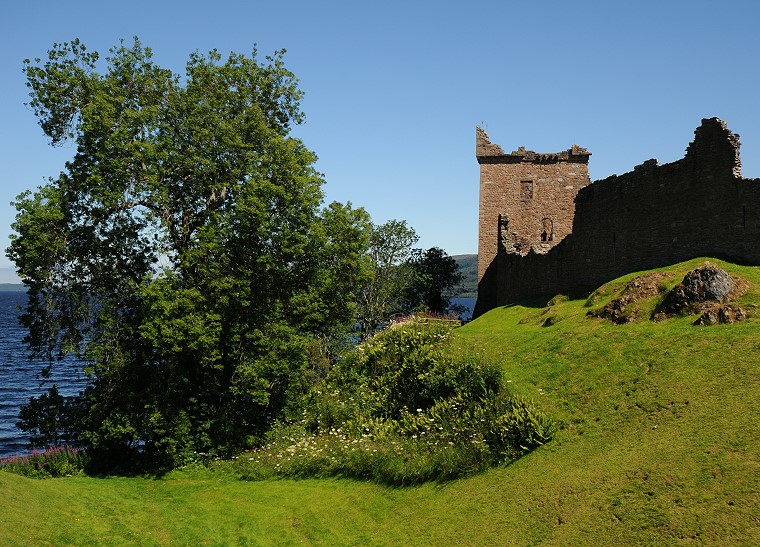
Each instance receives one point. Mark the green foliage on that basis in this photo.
(50, 419)
(402, 409)
(60, 461)
(184, 253)
(381, 297)
(435, 280)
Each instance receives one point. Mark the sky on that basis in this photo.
(394, 90)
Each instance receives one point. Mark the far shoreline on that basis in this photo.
(12, 287)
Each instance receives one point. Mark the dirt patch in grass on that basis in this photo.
(622, 309)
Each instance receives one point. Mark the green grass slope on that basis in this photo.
(662, 441)
(660, 445)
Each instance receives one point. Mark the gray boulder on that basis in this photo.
(707, 283)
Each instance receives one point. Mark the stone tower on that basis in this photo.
(526, 204)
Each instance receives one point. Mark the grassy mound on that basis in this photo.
(660, 444)
(404, 408)
(661, 437)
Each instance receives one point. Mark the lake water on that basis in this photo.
(468, 304)
(20, 376)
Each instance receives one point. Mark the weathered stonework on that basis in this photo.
(526, 204)
(545, 230)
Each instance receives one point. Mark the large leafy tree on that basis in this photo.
(182, 253)
(381, 296)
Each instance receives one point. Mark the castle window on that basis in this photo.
(526, 189)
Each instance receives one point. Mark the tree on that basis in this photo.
(182, 253)
(380, 298)
(435, 279)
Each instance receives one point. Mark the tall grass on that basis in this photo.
(59, 461)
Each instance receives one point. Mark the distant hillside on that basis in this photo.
(468, 265)
(16, 287)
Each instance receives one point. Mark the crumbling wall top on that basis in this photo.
(487, 152)
(483, 145)
(713, 140)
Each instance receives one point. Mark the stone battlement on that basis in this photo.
(487, 152)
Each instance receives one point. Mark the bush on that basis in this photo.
(401, 409)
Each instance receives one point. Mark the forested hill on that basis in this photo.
(468, 265)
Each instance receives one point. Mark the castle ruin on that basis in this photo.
(545, 229)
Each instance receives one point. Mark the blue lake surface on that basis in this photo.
(468, 304)
(20, 377)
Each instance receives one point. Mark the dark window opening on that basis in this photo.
(547, 232)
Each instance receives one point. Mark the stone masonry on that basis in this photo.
(545, 230)
(526, 200)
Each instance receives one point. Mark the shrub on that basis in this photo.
(401, 409)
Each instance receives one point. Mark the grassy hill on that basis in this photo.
(660, 445)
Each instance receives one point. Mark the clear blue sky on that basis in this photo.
(394, 90)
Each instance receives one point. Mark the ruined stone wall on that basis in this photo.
(526, 201)
(650, 217)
